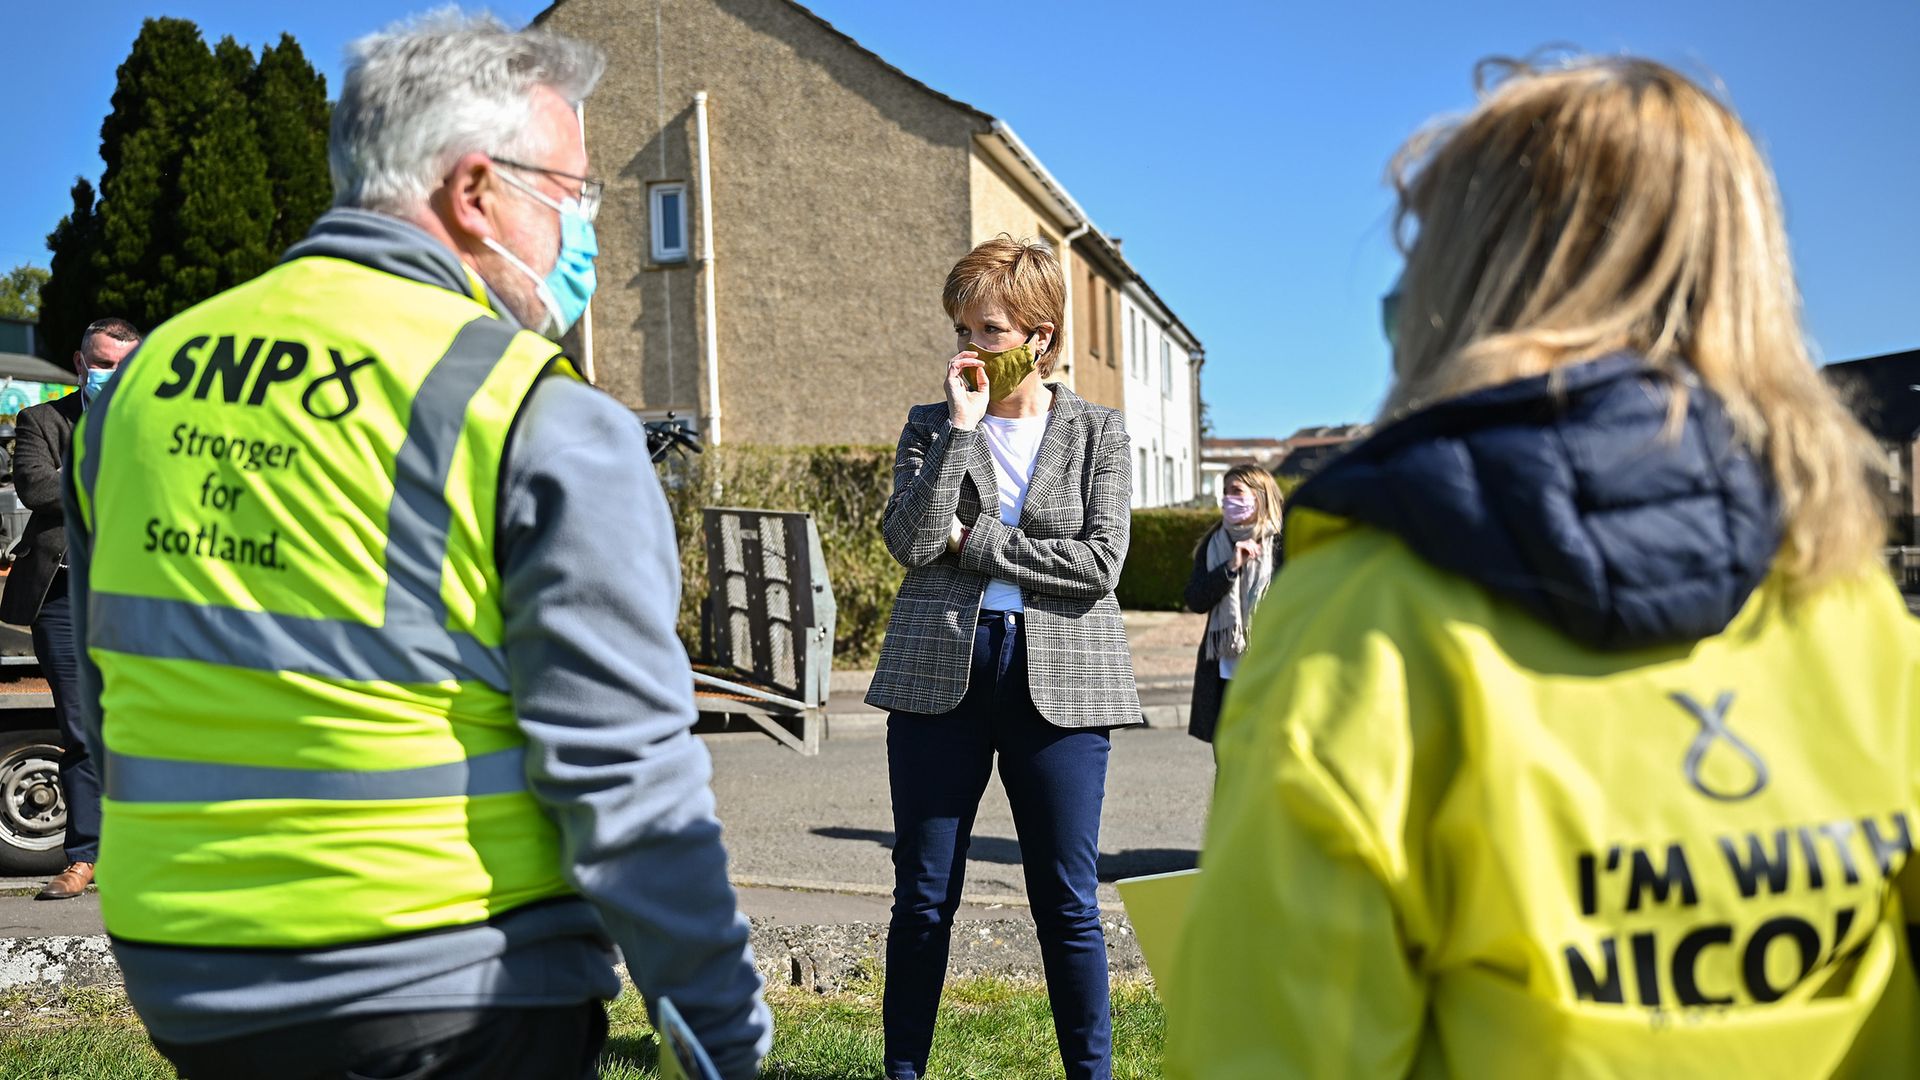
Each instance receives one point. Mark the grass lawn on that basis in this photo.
(988, 1028)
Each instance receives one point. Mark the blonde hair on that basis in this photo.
(1267, 501)
(1022, 277)
(1612, 205)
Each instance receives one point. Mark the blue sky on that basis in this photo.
(1238, 148)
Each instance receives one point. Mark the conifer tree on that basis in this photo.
(291, 115)
(226, 204)
(214, 164)
(68, 301)
(168, 87)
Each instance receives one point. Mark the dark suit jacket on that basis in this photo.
(43, 435)
(1065, 556)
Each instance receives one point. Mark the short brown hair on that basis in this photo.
(1022, 276)
(116, 328)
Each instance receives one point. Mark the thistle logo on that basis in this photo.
(323, 401)
(1713, 730)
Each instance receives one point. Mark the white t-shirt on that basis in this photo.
(1015, 443)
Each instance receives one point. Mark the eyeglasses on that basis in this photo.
(591, 190)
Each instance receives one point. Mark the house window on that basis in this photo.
(1140, 479)
(667, 208)
(1106, 315)
(1167, 493)
(1095, 345)
(1166, 368)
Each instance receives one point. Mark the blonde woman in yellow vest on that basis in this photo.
(1578, 739)
(394, 719)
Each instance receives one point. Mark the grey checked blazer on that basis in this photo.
(1065, 556)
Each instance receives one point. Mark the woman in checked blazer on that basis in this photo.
(1010, 510)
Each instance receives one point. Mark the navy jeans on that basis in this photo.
(1055, 778)
(54, 647)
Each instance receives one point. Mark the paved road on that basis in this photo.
(810, 837)
(826, 820)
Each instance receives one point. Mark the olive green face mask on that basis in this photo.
(1005, 370)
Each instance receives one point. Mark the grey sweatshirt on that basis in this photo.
(590, 590)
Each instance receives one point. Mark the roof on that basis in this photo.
(846, 39)
(1211, 444)
(1307, 460)
(1017, 149)
(1334, 432)
(1883, 392)
(15, 365)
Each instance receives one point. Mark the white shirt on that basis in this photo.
(1015, 444)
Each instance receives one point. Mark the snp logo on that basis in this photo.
(249, 373)
(1714, 731)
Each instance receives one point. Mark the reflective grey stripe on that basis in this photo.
(265, 641)
(419, 516)
(413, 644)
(132, 779)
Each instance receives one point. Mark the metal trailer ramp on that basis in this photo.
(766, 626)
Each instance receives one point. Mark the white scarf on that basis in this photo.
(1227, 625)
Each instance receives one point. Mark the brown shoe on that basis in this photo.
(69, 883)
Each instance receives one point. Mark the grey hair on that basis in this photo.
(423, 92)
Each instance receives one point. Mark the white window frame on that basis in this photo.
(1166, 367)
(656, 194)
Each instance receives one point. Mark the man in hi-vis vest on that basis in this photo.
(378, 604)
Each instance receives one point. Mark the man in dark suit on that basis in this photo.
(36, 592)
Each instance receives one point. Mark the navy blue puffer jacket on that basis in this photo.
(1564, 494)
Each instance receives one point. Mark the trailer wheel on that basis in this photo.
(33, 816)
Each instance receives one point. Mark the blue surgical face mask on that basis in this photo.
(565, 291)
(1390, 314)
(96, 379)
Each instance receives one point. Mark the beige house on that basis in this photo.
(782, 208)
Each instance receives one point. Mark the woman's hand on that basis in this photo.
(965, 405)
(1244, 552)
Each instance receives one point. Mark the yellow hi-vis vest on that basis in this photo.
(1450, 841)
(295, 613)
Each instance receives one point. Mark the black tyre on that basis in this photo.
(33, 816)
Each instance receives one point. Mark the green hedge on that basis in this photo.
(845, 488)
(1160, 558)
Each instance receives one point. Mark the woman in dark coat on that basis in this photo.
(1232, 567)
